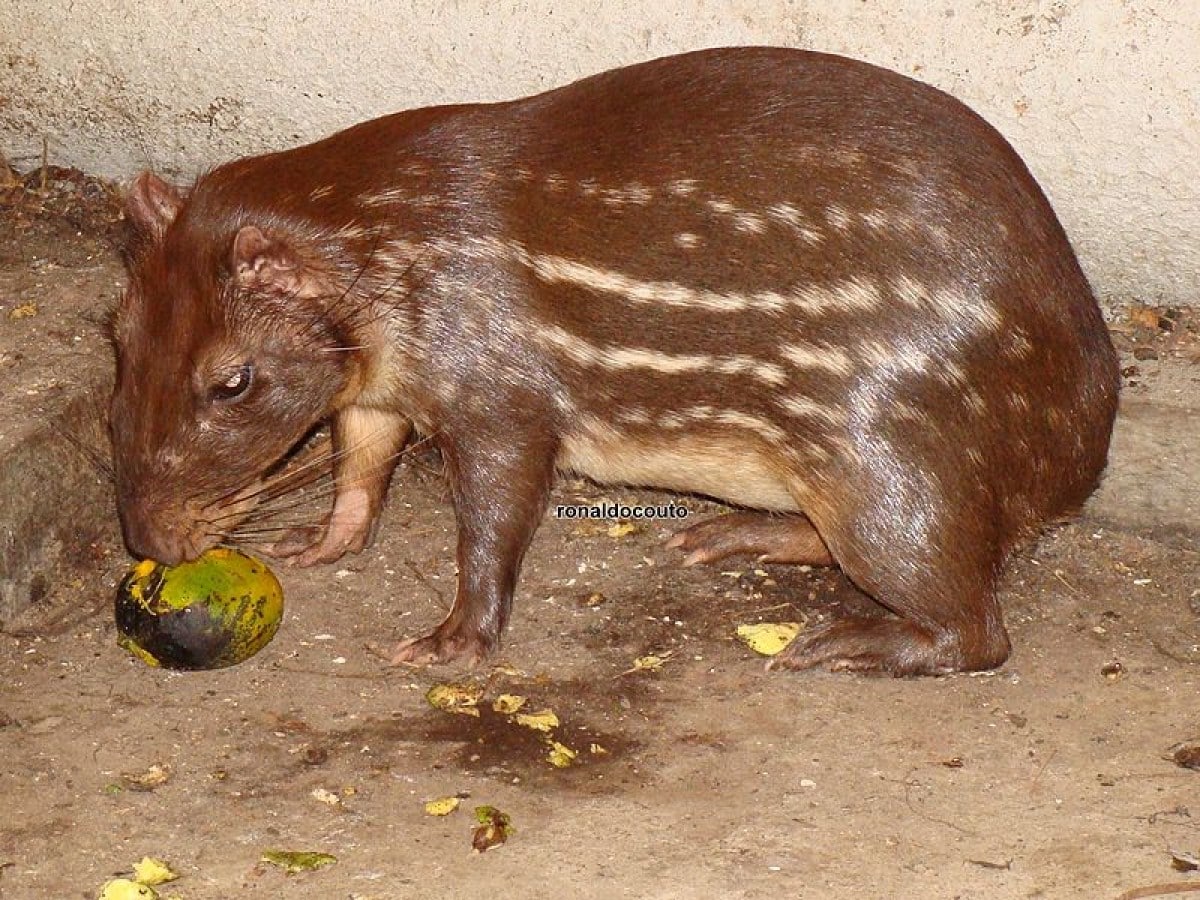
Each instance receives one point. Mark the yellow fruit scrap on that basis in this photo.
(768, 638)
(464, 698)
(456, 697)
(126, 889)
(130, 646)
(507, 704)
(294, 861)
(546, 720)
(152, 871)
(561, 756)
(140, 573)
(146, 874)
(623, 529)
(442, 807)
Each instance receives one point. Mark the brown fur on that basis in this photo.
(777, 277)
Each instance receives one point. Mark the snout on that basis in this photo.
(161, 526)
(162, 532)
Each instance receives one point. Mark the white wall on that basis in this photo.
(1102, 97)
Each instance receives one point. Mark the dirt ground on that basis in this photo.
(1052, 777)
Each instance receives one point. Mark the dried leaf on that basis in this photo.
(506, 669)
(153, 777)
(623, 529)
(1143, 316)
(649, 663)
(494, 829)
(1184, 862)
(326, 796)
(293, 861)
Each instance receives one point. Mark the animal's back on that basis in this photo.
(828, 257)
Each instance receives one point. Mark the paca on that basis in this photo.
(817, 290)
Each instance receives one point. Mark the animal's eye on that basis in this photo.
(235, 385)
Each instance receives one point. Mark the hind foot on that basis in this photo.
(891, 647)
(777, 539)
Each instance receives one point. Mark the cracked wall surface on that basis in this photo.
(1101, 97)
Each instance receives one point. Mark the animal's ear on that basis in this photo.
(152, 204)
(271, 263)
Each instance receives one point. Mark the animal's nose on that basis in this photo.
(152, 531)
(147, 542)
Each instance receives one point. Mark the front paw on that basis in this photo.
(443, 645)
(351, 528)
(305, 547)
(295, 541)
(334, 544)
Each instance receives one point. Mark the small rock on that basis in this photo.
(1186, 755)
(314, 756)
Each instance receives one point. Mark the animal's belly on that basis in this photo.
(743, 473)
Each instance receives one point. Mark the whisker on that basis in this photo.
(266, 531)
(273, 506)
(98, 459)
(310, 331)
(331, 490)
(293, 481)
(284, 503)
(266, 496)
(279, 503)
(325, 455)
(85, 431)
(343, 318)
(319, 456)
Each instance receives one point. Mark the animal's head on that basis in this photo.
(230, 347)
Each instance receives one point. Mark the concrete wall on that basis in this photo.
(1102, 97)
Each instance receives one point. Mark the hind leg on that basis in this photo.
(781, 539)
(940, 584)
(898, 647)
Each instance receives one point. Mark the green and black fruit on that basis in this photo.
(216, 611)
